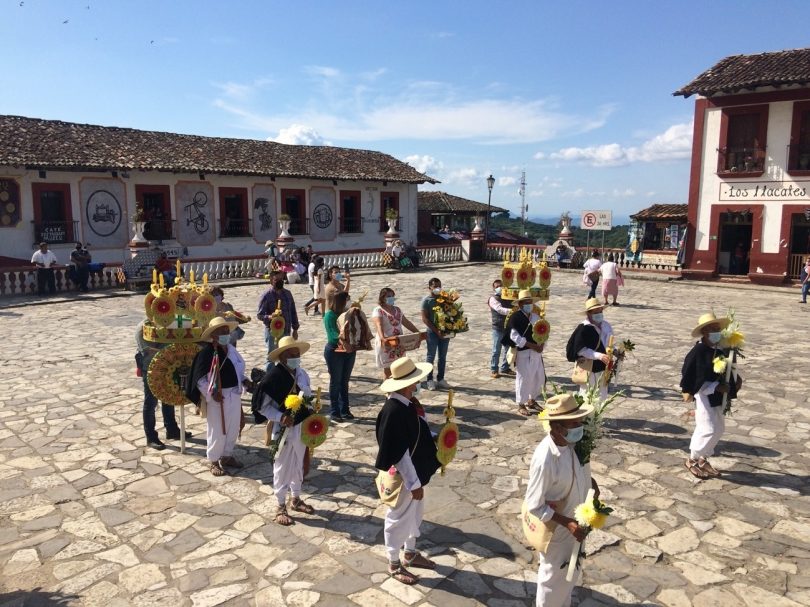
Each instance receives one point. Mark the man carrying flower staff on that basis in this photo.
(287, 379)
(406, 461)
(558, 483)
(530, 370)
(703, 379)
(588, 344)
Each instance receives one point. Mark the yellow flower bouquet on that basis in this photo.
(448, 313)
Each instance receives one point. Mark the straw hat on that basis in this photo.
(287, 343)
(564, 406)
(708, 319)
(269, 243)
(218, 323)
(592, 305)
(525, 294)
(404, 373)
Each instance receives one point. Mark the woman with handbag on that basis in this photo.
(590, 274)
(388, 321)
(611, 280)
(406, 462)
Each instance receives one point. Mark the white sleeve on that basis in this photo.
(588, 353)
(516, 337)
(503, 311)
(405, 467)
(202, 385)
(536, 492)
(708, 388)
(302, 379)
(269, 411)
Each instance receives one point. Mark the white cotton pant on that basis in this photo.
(288, 467)
(709, 427)
(221, 444)
(530, 376)
(402, 525)
(552, 588)
(593, 380)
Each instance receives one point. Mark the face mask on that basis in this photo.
(575, 434)
(278, 285)
(527, 308)
(224, 340)
(417, 389)
(497, 290)
(597, 317)
(339, 276)
(390, 300)
(293, 363)
(436, 291)
(715, 337)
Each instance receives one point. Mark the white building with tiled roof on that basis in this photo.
(200, 197)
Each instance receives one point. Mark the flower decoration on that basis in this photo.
(448, 314)
(313, 430)
(525, 277)
(507, 277)
(163, 309)
(544, 277)
(205, 308)
(447, 441)
(540, 331)
(169, 371)
(732, 341)
(147, 304)
(592, 514)
(719, 363)
(277, 323)
(293, 403)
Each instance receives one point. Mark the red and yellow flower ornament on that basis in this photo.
(163, 309)
(507, 277)
(169, 370)
(544, 277)
(205, 307)
(540, 331)
(447, 441)
(315, 427)
(277, 323)
(525, 277)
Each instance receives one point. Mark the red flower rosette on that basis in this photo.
(446, 444)
(163, 309)
(525, 278)
(507, 277)
(544, 279)
(277, 325)
(540, 331)
(313, 430)
(205, 308)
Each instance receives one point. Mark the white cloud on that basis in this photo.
(323, 71)
(535, 193)
(299, 134)
(507, 180)
(424, 164)
(673, 144)
(626, 193)
(241, 92)
(466, 176)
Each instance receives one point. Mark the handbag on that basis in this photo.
(620, 280)
(389, 482)
(594, 276)
(582, 371)
(537, 533)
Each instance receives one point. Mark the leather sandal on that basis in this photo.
(707, 468)
(300, 505)
(522, 410)
(217, 469)
(418, 561)
(282, 518)
(694, 468)
(402, 575)
(533, 406)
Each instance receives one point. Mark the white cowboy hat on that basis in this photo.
(592, 304)
(287, 343)
(404, 373)
(565, 406)
(708, 319)
(218, 323)
(268, 243)
(525, 294)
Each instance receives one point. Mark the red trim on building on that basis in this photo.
(757, 98)
(694, 185)
(67, 205)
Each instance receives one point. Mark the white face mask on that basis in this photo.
(597, 317)
(293, 363)
(436, 290)
(527, 308)
(715, 337)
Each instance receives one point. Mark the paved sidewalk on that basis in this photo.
(89, 516)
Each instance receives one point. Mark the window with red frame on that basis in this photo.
(351, 221)
(53, 213)
(388, 200)
(233, 213)
(154, 202)
(799, 156)
(742, 140)
(293, 203)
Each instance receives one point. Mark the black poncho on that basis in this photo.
(698, 369)
(278, 384)
(202, 365)
(586, 336)
(398, 429)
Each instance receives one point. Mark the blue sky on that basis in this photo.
(577, 94)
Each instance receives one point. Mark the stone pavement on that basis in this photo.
(88, 516)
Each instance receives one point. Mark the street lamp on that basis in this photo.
(490, 185)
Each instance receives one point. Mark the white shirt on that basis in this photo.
(239, 366)
(311, 272)
(555, 472)
(520, 340)
(592, 265)
(609, 270)
(47, 258)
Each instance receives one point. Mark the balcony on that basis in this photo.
(158, 229)
(299, 226)
(234, 228)
(743, 161)
(799, 158)
(55, 232)
(351, 225)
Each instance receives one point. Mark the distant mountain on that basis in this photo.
(552, 220)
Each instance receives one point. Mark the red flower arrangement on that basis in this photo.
(163, 309)
(450, 439)
(525, 278)
(313, 430)
(545, 278)
(540, 331)
(507, 277)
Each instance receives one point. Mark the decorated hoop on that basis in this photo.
(540, 331)
(507, 277)
(544, 277)
(314, 429)
(447, 441)
(169, 370)
(163, 309)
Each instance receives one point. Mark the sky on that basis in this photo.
(577, 94)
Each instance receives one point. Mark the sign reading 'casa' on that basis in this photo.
(764, 190)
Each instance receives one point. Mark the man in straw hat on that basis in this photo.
(217, 377)
(286, 377)
(408, 455)
(558, 483)
(530, 371)
(700, 381)
(589, 342)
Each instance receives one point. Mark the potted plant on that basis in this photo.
(138, 221)
(391, 218)
(284, 221)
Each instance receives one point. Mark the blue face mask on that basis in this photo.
(527, 308)
(575, 434)
(597, 317)
(339, 276)
(390, 300)
(715, 337)
(497, 290)
(293, 363)
(224, 340)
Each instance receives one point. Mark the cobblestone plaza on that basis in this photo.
(89, 516)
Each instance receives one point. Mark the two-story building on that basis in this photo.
(205, 197)
(749, 189)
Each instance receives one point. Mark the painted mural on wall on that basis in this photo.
(265, 220)
(324, 217)
(9, 203)
(103, 212)
(195, 213)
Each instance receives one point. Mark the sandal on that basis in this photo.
(217, 469)
(522, 410)
(532, 404)
(282, 518)
(694, 468)
(232, 462)
(402, 575)
(300, 505)
(707, 468)
(418, 561)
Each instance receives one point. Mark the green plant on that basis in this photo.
(284, 217)
(391, 214)
(138, 214)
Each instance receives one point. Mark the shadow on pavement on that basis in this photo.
(768, 480)
(36, 598)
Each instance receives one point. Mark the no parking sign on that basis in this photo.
(596, 220)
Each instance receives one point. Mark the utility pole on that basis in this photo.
(524, 209)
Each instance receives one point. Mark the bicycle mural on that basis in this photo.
(194, 214)
(194, 208)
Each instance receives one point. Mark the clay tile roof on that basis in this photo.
(52, 144)
(741, 72)
(440, 202)
(662, 212)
